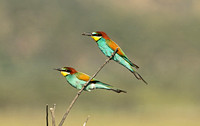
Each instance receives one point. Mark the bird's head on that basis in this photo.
(96, 35)
(66, 70)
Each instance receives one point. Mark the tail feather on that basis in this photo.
(138, 76)
(134, 65)
(131, 63)
(100, 85)
(118, 90)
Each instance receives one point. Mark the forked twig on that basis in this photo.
(52, 110)
(85, 85)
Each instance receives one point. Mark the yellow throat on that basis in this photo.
(96, 38)
(64, 73)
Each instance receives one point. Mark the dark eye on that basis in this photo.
(98, 34)
(68, 71)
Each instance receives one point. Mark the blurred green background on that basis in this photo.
(161, 36)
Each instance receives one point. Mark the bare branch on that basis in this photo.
(85, 85)
(47, 115)
(52, 110)
(86, 120)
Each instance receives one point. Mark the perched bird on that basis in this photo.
(78, 79)
(108, 46)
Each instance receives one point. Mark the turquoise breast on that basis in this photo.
(74, 81)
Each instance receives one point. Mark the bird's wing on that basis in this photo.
(83, 76)
(100, 85)
(114, 46)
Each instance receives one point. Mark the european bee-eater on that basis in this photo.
(78, 79)
(108, 46)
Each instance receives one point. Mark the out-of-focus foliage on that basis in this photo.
(162, 37)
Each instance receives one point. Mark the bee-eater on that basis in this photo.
(78, 79)
(108, 46)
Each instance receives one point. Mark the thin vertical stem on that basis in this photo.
(47, 115)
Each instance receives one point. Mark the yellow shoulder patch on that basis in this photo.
(113, 46)
(83, 76)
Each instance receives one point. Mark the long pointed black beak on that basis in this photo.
(58, 69)
(86, 34)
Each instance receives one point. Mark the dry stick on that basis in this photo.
(85, 85)
(86, 121)
(47, 121)
(52, 110)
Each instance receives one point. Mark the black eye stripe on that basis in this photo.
(96, 35)
(68, 70)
